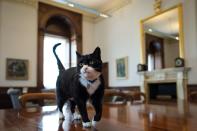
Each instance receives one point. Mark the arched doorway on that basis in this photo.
(61, 25)
(154, 52)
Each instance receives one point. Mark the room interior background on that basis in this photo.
(118, 36)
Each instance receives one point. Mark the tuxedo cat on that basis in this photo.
(76, 85)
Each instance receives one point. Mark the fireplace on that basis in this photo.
(162, 92)
(168, 83)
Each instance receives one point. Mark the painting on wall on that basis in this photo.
(16, 69)
(122, 68)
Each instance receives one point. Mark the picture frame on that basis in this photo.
(16, 69)
(122, 68)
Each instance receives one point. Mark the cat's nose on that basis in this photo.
(85, 67)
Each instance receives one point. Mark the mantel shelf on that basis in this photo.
(165, 70)
(177, 75)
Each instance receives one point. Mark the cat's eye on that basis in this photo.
(91, 62)
(81, 64)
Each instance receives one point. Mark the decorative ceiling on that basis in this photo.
(92, 8)
(96, 4)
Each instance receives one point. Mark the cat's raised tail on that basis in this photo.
(59, 63)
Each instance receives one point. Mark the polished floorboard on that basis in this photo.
(129, 117)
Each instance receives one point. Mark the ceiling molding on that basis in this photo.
(60, 5)
(111, 7)
(108, 8)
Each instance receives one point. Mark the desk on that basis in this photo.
(115, 118)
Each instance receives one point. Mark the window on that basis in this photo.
(50, 69)
(58, 22)
(150, 62)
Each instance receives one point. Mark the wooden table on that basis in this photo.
(139, 117)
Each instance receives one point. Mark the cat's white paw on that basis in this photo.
(94, 123)
(66, 123)
(87, 124)
(76, 116)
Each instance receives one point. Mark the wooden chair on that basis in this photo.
(193, 96)
(135, 96)
(114, 92)
(36, 97)
(14, 94)
(131, 96)
(115, 97)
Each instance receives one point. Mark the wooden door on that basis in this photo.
(154, 52)
(105, 74)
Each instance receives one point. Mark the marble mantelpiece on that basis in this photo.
(168, 75)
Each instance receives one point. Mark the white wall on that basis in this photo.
(18, 39)
(88, 42)
(119, 36)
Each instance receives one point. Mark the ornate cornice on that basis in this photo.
(111, 7)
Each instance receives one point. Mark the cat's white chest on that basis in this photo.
(90, 87)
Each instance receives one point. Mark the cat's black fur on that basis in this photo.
(69, 87)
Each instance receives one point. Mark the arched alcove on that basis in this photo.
(56, 21)
(154, 52)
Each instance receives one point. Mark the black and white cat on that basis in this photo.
(76, 85)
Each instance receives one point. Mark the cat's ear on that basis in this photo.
(97, 52)
(78, 54)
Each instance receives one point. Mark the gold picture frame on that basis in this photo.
(16, 69)
(122, 68)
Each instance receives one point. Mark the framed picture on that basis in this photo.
(122, 68)
(16, 69)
